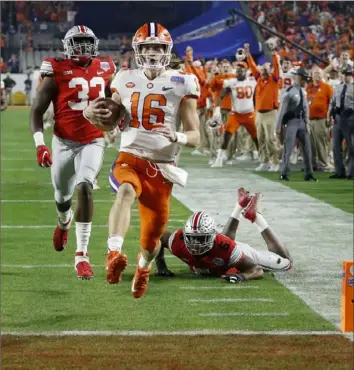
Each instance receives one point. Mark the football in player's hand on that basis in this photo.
(116, 109)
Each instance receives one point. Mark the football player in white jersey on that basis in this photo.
(286, 76)
(154, 98)
(242, 113)
(3, 99)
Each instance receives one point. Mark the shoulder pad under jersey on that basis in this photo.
(49, 66)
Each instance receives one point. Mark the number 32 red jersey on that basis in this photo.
(216, 262)
(76, 87)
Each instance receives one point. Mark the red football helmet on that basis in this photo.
(80, 44)
(152, 45)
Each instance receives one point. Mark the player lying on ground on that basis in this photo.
(155, 99)
(208, 252)
(77, 145)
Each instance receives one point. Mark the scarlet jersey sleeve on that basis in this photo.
(191, 85)
(48, 68)
(171, 240)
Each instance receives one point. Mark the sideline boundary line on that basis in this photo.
(134, 333)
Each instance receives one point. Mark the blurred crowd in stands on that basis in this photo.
(325, 28)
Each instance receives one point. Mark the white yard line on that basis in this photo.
(227, 287)
(319, 236)
(29, 182)
(24, 169)
(261, 314)
(135, 333)
(32, 159)
(18, 266)
(171, 220)
(230, 300)
(50, 201)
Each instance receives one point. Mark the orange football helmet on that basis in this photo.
(152, 44)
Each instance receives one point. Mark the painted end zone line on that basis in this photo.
(166, 333)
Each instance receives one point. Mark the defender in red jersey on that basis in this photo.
(208, 252)
(77, 145)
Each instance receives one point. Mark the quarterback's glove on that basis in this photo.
(234, 278)
(43, 156)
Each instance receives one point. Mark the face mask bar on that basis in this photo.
(142, 59)
(77, 47)
(199, 244)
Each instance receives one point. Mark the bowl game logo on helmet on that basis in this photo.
(152, 44)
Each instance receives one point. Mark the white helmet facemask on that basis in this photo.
(199, 233)
(147, 58)
(80, 42)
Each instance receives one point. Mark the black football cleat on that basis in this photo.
(335, 176)
(310, 178)
(284, 178)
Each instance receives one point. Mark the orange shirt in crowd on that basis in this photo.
(216, 86)
(266, 90)
(319, 98)
(2, 66)
(199, 73)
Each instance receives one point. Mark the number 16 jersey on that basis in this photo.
(241, 94)
(76, 87)
(148, 102)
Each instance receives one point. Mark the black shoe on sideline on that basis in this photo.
(335, 176)
(310, 178)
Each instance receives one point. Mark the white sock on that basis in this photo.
(221, 153)
(143, 263)
(83, 232)
(115, 243)
(236, 213)
(65, 218)
(261, 223)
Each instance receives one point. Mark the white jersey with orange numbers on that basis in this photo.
(286, 80)
(241, 94)
(148, 102)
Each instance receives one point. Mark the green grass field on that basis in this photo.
(40, 291)
(338, 193)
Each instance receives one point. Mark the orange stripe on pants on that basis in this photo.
(153, 192)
